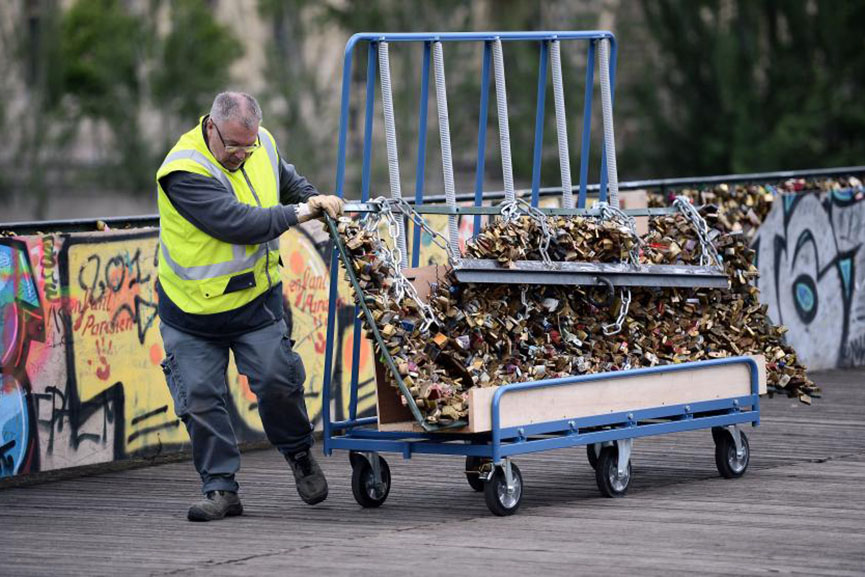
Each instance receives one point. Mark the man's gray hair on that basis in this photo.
(236, 106)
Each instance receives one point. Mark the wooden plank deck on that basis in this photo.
(799, 510)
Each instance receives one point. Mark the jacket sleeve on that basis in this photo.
(293, 187)
(204, 202)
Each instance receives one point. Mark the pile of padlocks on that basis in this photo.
(743, 207)
(483, 335)
(573, 239)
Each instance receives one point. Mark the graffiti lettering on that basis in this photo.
(854, 354)
(98, 281)
(96, 328)
(49, 269)
(98, 392)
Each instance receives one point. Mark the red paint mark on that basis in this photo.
(244, 388)
(155, 354)
(296, 262)
(320, 343)
(102, 351)
(363, 357)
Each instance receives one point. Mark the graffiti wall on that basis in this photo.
(81, 350)
(812, 275)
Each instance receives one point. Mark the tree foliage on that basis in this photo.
(752, 85)
(195, 60)
(714, 86)
(100, 58)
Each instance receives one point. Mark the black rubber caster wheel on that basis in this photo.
(729, 464)
(363, 486)
(473, 467)
(499, 500)
(610, 483)
(592, 455)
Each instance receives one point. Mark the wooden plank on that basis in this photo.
(625, 393)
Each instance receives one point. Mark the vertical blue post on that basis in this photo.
(539, 122)
(482, 135)
(421, 149)
(587, 124)
(371, 71)
(334, 264)
(343, 116)
(369, 114)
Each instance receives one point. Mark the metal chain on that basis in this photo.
(401, 287)
(526, 306)
(708, 255)
(615, 214)
(510, 210)
(437, 238)
(608, 212)
(513, 209)
(616, 327)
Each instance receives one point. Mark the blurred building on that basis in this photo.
(308, 45)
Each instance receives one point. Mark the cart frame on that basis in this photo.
(359, 435)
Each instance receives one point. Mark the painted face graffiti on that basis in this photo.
(809, 268)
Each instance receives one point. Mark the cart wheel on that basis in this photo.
(499, 501)
(729, 465)
(363, 482)
(610, 483)
(593, 456)
(473, 468)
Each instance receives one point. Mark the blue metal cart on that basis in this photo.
(608, 437)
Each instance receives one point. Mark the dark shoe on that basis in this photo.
(215, 506)
(311, 484)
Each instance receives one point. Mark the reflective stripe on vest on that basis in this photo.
(271, 154)
(206, 271)
(240, 260)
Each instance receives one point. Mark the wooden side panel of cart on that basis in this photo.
(620, 394)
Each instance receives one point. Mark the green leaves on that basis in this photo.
(99, 57)
(195, 60)
(750, 86)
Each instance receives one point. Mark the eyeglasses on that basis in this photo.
(233, 148)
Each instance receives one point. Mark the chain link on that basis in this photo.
(708, 255)
(437, 238)
(624, 304)
(512, 210)
(401, 287)
(614, 214)
(609, 212)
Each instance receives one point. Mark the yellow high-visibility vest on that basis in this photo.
(194, 267)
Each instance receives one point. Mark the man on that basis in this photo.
(225, 196)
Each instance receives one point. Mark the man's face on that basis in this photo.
(231, 142)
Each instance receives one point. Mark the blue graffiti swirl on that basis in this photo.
(805, 298)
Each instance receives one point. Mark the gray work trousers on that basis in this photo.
(195, 368)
